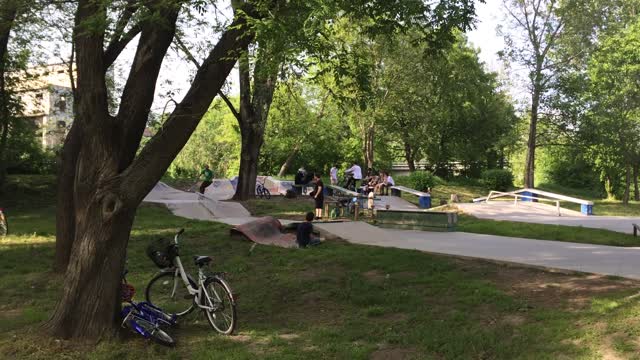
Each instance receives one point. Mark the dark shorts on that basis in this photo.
(319, 202)
(204, 185)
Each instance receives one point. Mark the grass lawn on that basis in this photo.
(336, 301)
(583, 235)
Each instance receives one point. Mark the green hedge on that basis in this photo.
(497, 179)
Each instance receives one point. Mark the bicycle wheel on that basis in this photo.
(153, 331)
(218, 295)
(167, 292)
(266, 193)
(259, 192)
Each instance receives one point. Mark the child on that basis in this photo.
(303, 234)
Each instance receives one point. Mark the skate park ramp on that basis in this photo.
(394, 203)
(532, 212)
(194, 205)
(221, 189)
(265, 231)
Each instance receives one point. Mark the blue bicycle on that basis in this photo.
(144, 318)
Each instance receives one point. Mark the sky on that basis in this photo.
(485, 36)
(176, 73)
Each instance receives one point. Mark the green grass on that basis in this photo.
(583, 235)
(280, 207)
(336, 301)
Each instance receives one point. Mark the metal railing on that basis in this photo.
(517, 196)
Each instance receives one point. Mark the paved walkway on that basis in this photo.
(606, 260)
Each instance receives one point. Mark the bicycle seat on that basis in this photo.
(201, 260)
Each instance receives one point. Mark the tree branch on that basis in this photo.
(139, 89)
(120, 39)
(157, 155)
(181, 46)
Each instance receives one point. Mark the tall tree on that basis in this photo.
(293, 32)
(536, 26)
(8, 13)
(105, 175)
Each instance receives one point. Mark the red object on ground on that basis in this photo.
(267, 231)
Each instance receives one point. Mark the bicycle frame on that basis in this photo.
(179, 272)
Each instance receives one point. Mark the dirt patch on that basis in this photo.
(546, 288)
(374, 276)
(394, 354)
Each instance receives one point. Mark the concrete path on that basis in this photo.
(546, 214)
(606, 260)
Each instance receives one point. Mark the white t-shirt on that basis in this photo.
(390, 180)
(356, 171)
(333, 173)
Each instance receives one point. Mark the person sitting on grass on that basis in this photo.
(304, 231)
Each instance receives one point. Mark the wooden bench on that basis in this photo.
(416, 219)
(424, 199)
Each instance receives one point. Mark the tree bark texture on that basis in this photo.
(627, 185)
(408, 155)
(369, 137)
(636, 190)
(530, 161)
(287, 163)
(8, 13)
(253, 115)
(102, 180)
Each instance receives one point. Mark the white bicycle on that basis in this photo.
(176, 292)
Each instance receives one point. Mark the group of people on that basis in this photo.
(379, 182)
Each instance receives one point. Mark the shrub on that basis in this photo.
(497, 179)
(421, 180)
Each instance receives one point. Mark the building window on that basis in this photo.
(62, 104)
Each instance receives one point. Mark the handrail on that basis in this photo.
(516, 196)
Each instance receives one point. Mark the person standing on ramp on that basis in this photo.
(207, 178)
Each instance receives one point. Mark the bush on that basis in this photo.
(497, 179)
(420, 180)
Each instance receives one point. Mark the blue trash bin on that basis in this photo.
(425, 201)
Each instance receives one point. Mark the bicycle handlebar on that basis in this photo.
(175, 238)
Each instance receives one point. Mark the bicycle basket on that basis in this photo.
(162, 252)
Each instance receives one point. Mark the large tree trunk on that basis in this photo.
(530, 162)
(636, 190)
(251, 143)
(101, 171)
(8, 13)
(368, 153)
(254, 112)
(627, 185)
(408, 155)
(65, 210)
(287, 163)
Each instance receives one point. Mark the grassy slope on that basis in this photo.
(335, 301)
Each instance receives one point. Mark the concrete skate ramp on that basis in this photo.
(266, 231)
(194, 205)
(221, 189)
(546, 214)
